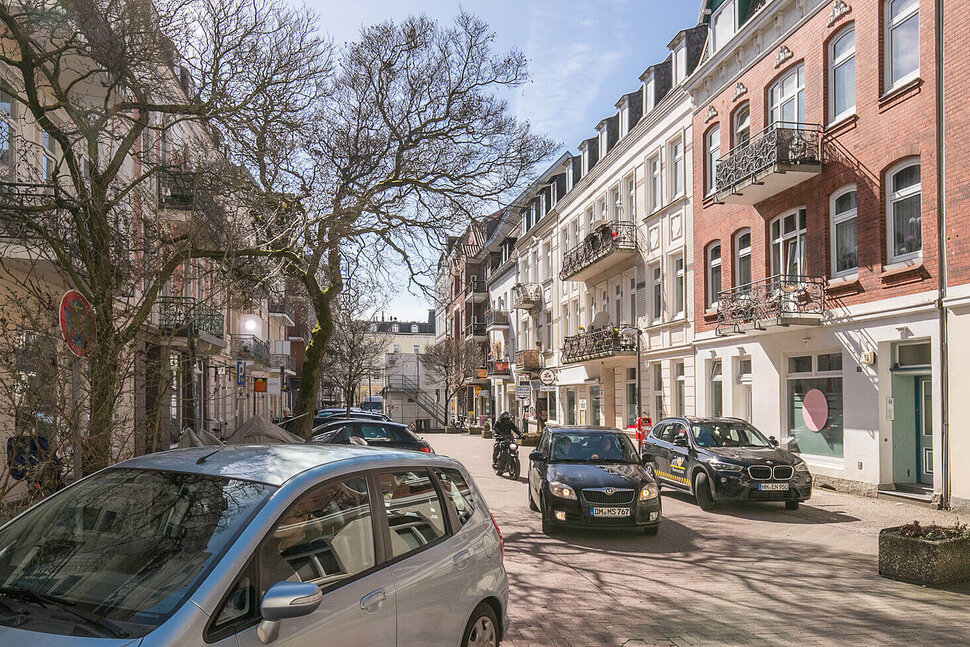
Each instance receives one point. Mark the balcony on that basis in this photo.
(177, 191)
(776, 301)
(597, 344)
(176, 313)
(475, 329)
(527, 360)
(476, 290)
(611, 247)
(526, 296)
(496, 319)
(499, 368)
(250, 347)
(284, 361)
(477, 376)
(774, 160)
(283, 310)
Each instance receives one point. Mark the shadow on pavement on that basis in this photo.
(769, 511)
(673, 537)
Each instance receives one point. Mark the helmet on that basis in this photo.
(505, 415)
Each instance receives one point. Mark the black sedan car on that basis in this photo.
(374, 432)
(591, 477)
(721, 459)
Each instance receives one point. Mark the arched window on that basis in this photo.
(904, 210)
(843, 232)
(713, 274)
(414, 328)
(742, 125)
(787, 97)
(788, 252)
(712, 152)
(842, 74)
(742, 258)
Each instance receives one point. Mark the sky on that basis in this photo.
(582, 57)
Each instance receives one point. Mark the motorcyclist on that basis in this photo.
(504, 431)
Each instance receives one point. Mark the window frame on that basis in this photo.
(656, 293)
(743, 109)
(836, 219)
(680, 285)
(741, 253)
(896, 196)
(711, 156)
(889, 24)
(655, 169)
(712, 298)
(833, 65)
(798, 69)
(800, 234)
(381, 515)
(631, 197)
(732, 4)
(676, 179)
(716, 378)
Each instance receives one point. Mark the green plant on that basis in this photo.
(934, 532)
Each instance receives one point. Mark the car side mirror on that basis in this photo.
(286, 600)
(536, 455)
(774, 441)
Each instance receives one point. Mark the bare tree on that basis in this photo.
(452, 361)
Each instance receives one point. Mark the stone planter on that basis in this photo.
(486, 432)
(475, 430)
(920, 561)
(529, 440)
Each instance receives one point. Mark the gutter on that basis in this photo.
(941, 243)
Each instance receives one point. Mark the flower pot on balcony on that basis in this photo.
(925, 554)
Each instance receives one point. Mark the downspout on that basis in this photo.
(941, 232)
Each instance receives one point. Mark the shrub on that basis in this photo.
(934, 532)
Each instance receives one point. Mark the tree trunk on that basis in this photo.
(96, 448)
(306, 403)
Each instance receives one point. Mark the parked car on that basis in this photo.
(241, 546)
(591, 477)
(720, 459)
(376, 433)
(342, 413)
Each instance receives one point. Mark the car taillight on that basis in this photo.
(426, 449)
(501, 539)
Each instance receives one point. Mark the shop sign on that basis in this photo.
(481, 373)
(547, 388)
(77, 322)
(259, 385)
(501, 367)
(273, 386)
(510, 388)
(523, 392)
(547, 376)
(815, 410)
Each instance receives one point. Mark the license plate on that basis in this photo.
(772, 487)
(609, 512)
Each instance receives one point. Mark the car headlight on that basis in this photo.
(562, 490)
(514, 447)
(800, 466)
(725, 467)
(649, 491)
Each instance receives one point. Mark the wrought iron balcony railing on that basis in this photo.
(251, 347)
(475, 287)
(282, 308)
(526, 296)
(527, 360)
(175, 314)
(780, 300)
(595, 344)
(782, 147)
(475, 329)
(600, 243)
(177, 191)
(499, 368)
(277, 360)
(496, 319)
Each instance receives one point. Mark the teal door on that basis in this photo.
(924, 429)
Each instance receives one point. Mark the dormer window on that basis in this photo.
(585, 160)
(395, 328)
(414, 328)
(569, 176)
(651, 89)
(680, 63)
(724, 24)
(553, 190)
(624, 119)
(604, 142)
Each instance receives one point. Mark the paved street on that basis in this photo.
(744, 575)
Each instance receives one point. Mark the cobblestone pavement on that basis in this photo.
(743, 575)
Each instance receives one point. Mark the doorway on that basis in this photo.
(913, 430)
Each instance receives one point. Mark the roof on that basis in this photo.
(271, 464)
(556, 428)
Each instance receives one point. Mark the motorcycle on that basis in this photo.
(508, 459)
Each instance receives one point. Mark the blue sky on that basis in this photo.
(582, 57)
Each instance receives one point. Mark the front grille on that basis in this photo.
(618, 497)
(783, 472)
(759, 472)
(766, 472)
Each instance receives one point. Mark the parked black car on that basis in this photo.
(591, 477)
(375, 433)
(719, 459)
(335, 414)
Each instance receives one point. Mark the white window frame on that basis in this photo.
(891, 199)
(656, 293)
(604, 142)
(656, 182)
(676, 179)
(891, 24)
(834, 64)
(712, 298)
(711, 155)
(732, 5)
(649, 88)
(837, 219)
(624, 118)
(800, 235)
(414, 328)
(616, 203)
(774, 109)
(631, 197)
(743, 110)
(679, 301)
(13, 128)
(715, 378)
(739, 254)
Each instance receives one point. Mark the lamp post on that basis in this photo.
(629, 330)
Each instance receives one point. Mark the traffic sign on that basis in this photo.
(523, 392)
(547, 376)
(77, 322)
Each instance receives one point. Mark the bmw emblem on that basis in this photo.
(609, 491)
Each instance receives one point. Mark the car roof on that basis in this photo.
(343, 421)
(556, 429)
(271, 464)
(701, 419)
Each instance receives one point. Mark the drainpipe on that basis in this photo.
(941, 232)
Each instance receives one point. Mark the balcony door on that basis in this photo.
(788, 250)
(787, 97)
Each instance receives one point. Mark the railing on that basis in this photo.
(282, 308)
(776, 300)
(404, 384)
(251, 346)
(177, 191)
(495, 318)
(499, 367)
(783, 143)
(175, 313)
(527, 360)
(277, 360)
(25, 192)
(601, 242)
(475, 286)
(526, 296)
(475, 329)
(594, 344)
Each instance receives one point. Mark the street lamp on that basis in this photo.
(630, 330)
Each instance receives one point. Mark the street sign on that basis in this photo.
(547, 376)
(240, 372)
(77, 322)
(273, 386)
(523, 392)
(259, 385)
(548, 388)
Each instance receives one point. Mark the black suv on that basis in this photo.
(719, 459)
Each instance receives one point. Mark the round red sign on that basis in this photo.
(815, 410)
(77, 322)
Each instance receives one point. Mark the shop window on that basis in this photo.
(800, 364)
(814, 405)
(830, 362)
(845, 242)
(717, 389)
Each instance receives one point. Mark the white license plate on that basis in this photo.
(771, 487)
(609, 512)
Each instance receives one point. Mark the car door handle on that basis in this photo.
(461, 559)
(373, 600)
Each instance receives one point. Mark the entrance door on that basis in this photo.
(924, 429)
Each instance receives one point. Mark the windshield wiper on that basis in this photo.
(45, 600)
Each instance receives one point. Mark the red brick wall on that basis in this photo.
(886, 129)
(957, 137)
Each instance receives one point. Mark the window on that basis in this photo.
(788, 253)
(787, 97)
(590, 218)
(547, 261)
(713, 274)
(717, 389)
(905, 225)
(815, 404)
(658, 391)
(47, 162)
(676, 155)
(618, 305)
(914, 355)
(585, 156)
(680, 63)
(656, 294)
(742, 258)
(649, 90)
(723, 25)
(901, 41)
(395, 328)
(396, 348)
(624, 118)
(631, 398)
(845, 247)
(654, 183)
(414, 328)
(604, 142)
(679, 286)
(712, 152)
(680, 393)
(631, 198)
(742, 125)
(416, 349)
(602, 212)
(8, 130)
(842, 74)
(326, 537)
(414, 512)
(456, 489)
(633, 303)
(617, 204)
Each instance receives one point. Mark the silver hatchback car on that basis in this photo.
(265, 545)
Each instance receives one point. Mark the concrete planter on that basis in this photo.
(486, 432)
(475, 430)
(529, 440)
(920, 561)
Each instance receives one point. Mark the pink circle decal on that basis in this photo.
(815, 410)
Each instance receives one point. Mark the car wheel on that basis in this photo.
(547, 527)
(648, 468)
(791, 505)
(651, 531)
(532, 503)
(482, 628)
(702, 491)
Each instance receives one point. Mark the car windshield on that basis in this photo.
(123, 548)
(593, 447)
(727, 433)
